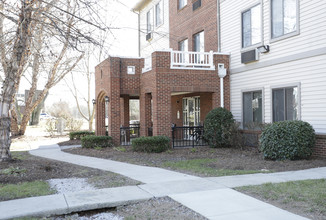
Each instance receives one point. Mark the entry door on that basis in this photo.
(191, 111)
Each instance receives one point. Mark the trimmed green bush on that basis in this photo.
(218, 127)
(155, 144)
(79, 134)
(287, 140)
(92, 141)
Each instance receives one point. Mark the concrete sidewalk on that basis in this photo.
(210, 197)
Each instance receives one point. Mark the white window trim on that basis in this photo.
(243, 49)
(262, 89)
(157, 26)
(152, 18)
(289, 85)
(284, 36)
(133, 72)
(186, 3)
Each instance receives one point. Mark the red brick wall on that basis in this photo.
(185, 23)
(320, 147)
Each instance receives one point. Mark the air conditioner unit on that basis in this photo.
(149, 36)
(249, 56)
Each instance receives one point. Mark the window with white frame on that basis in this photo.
(285, 104)
(284, 17)
(252, 109)
(159, 13)
(199, 42)
(251, 26)
(183, 45)
(131, 70)
(149, 19)
(182, 3)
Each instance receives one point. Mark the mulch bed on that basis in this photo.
(248, 158)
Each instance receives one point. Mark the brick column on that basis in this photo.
(145, 113)
(125, 116)
(100, 117)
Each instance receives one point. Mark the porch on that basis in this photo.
(174, 87)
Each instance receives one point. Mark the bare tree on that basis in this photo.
(43, 34)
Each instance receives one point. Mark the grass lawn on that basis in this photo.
(203, 166)
(25, 189)
(308, 197)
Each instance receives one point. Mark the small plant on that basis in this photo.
(155, 144)
(121, 149)
(287, 140)
(15, 171)
(92, 141)
(50, 126)
(193, 150)
(218, 128)
(73, 124)
(79, 134)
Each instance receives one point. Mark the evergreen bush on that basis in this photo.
(155, 144)
(92, 141)
(79, 134)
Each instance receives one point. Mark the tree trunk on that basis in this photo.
(14, 121)
(5, 139)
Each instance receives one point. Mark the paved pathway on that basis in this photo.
(211, 197)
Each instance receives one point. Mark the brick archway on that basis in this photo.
(100, 114)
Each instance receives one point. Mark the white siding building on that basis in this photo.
(153, 26)
(288, 81)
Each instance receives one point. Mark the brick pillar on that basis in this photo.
(162, 118)
(125, 116)
(216, 99)
(100, 117)
(145, 113)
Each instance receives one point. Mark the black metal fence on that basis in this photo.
(188, 136)
(129, 133)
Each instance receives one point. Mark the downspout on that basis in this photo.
(218, 27)
(138, 15)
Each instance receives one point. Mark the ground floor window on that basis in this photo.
(285, 104)
(252, 109)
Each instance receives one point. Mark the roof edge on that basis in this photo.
(140, 5)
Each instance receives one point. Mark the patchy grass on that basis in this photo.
(25, 189)
(307, 196)
(204, 166)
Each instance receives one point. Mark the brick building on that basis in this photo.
(178, 84)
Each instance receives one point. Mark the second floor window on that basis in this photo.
(183, 45)
(251, 26)
(149, 20)
(199, 42)
(159, 13)
(284, 17)
(182, 3)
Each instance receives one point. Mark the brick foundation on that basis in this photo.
(320, 147)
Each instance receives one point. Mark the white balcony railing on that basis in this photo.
(147, 64)
(192, 60)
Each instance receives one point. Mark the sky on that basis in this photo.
(123, 42)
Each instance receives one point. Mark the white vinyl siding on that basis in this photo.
(160, 34)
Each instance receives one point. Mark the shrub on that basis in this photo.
(73, 124)
(79, 134)
(155, 144)
(218, 127)
(287, 140)
(92, 141)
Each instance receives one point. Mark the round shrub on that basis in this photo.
(287, 140)
(92, 141)
(218, 128)
(155, 144)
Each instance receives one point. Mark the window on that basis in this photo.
(285, 104)
(284, 17)
(183, 45)
(252, 109)
(199, 42)
(149, 19)
(131, 70)
(159, 13)
(182, 3)
(251, 26)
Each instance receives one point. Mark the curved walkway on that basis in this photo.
(211, 197)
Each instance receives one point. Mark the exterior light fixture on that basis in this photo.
(93, 101)
(107, 99)
(263, 49)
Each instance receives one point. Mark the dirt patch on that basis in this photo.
(248, 158)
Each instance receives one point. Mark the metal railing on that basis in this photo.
(188, 136)
(127, 134)
(192, 60)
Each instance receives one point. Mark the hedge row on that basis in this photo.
(93, 141)
(79, 134)
(155, 144)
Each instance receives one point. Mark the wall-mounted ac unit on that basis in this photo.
(196, 5)
(149, 36)
(249, 56)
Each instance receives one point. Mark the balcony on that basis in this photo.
(192, 60)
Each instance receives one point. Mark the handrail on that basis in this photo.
(192, 60)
